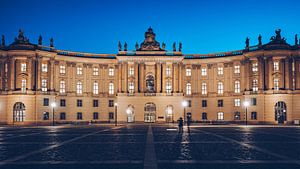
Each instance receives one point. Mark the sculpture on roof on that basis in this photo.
(3, 41)
(51, 42)
(296, 39)
(180, 47)
(150, 43)
(125, 46)
(21, 39)
(120, 46)
(277, 38)
(247, 43)
(174, 46)
(136, 46)
(40, 41)
(163, 46)
(259, 40)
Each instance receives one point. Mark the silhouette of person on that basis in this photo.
(188, 122)
(180, 125)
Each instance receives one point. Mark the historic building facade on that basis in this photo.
(41, 85)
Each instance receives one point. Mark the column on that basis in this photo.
(136, 78)
(12, 70)
(120, 78)
(180, 78)
(158, 78)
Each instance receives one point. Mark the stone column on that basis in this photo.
(12, 71)
(180, 78)
(270, 71)
(136, 78)
(158, 78)
(120, 78)
(175, 77)
(247, 70)
(163, 82)
(29, 70)
(126, 78)
(141, 78)
(288, 74)
(51, 74)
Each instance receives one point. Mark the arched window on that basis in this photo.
(188, 89)
(150, 84)
(19, 112)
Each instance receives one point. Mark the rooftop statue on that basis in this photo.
(120, 46)
(174, 46)
(21, 38)
(125, 46)
(136, 46)
(51, 42)
(247, 43)
(296, 39)
(259, 40)
(278, 38)
(163, 46)
(3, 41)
(180, 47)
(40, 41)
(150, 43)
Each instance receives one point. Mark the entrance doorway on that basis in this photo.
(169, 114)
(19, 112)
(130, 114)
(280, 112)
(150, 113)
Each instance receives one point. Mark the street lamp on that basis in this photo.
(116, 114)
(246, 105)
(53, 105)
(184, 104)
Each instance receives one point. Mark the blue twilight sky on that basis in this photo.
(203, 26)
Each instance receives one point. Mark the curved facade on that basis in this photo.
(149, 84)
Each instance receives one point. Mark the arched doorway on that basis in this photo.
(169, 114)
(150, 88)
(19, 112)
(150, 112)
(280, 112)
(130, 114)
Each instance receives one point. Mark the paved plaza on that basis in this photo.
(153, 146)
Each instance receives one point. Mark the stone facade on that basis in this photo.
(149, 84)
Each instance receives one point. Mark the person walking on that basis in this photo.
(188, 122)
(180, 125)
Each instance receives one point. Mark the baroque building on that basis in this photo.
(41, 84)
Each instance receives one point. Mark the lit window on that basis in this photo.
(203, 71)
(131, 87)
(168, 71)
(44, 67)
(95, 71)
(188, 89)
(23, 67)
(79, 70)
(220, 88)
(220, 116)
(220, 71)
(44, 85)
(6, 67)
(23, 85)
(276, 66)
(204, 88)
(255, 67)
(169, 87)
(188, 72)
(237, 116)
(62, 87)
(111, 72)
(131, 71)
(237, 102)
(62, 69)
(96, 88)
(276, 84)
(111, 88)
(255, 85)
(237, 87)
(237, 69)
(79, 88)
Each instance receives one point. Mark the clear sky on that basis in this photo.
(203, 26)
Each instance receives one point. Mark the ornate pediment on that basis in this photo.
(21, 42)
(150, 44)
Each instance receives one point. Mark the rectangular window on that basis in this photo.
(204, 103)
(255, 67)
(111, 72)
(44, 67)
(79, 88)
(204, 116)
(95, 103)
(188, 89)
(220, 116)
(188, 72)
(111, 115)
(23, 67)
(237, 87)
(23, 85)
(110, 103)
(131, 71)
(46, 102)
(220, 71)
(79, 116)
(203, 72)
(204, 89)
(253, 115)
(44, 85)
(220, 88)
(62, 87)
(237, 102)
(168, 87)
(62, 102)
(276, 84)
(46, 116)
(131, 87)
(95, 71)
(79, 70)
(62, 116)
(168, 71)
(237, 69)
(95, 115)
(189, 103)
(79, 103)
(255, 85)
(276, 66)
(220, 103)
(253, 101)
(111, 88)
(96, 88)
(62, 69)
(237, 116)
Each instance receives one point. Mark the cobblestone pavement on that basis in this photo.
(144, 146)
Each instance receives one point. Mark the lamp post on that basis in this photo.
(53, 105)
(184, 104)
(246, 105)
(116, 114)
